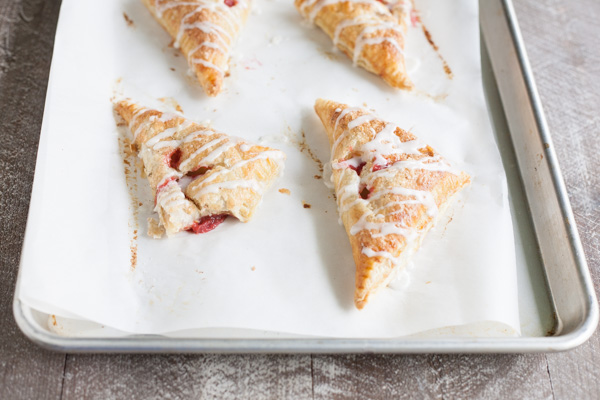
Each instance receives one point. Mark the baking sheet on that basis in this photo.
(303, 273)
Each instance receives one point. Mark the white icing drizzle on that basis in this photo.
(217, 152)
(341, 136)
(387, 143)
(275, 155)
(231, 185)
(372, 253)
(207, 64)
(320, 4)
(170, 197)
(363, 119)
(167, 133)
(362, 41)
(208, 145)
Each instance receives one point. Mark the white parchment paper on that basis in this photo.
(290, 269)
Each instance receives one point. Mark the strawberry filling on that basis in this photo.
(378, 167)
(162, 186)
(174, 159)
(198, 171)
(207, 224)
(357, 169)
(230, 3)
(364, 193)
(414, 18)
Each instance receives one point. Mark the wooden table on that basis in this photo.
(562, 41)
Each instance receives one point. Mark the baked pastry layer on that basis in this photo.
(390, 189)
(198, 175)
(204, 31)
(367, 31)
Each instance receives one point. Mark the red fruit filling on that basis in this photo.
(165, 183)
(207, 224)
(414, 18)
(364, 193)
(162, 186)
(357, 169)
(174, 159)
(378, 167)
(199, 171)
(230, 3)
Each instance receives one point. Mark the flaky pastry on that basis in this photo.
(204, 31)
(367, 31)
(199, 176)
(390, 188)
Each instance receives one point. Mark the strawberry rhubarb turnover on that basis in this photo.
(390, 189)
(204, 31)
(370, 32)
(199, 176)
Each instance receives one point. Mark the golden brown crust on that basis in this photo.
(390, 188)
(366, 31)
(204, 30)
(227, 175)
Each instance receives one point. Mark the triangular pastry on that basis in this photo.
(204, 31)
(366, 31)
(199, 176)
(390, 188)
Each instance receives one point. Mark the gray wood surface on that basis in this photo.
(562, 42)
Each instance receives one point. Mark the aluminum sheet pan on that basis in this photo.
(560, 302)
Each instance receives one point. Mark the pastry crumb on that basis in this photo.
(317, 177)
(172, 69)
(306, 205)
(428, 282)
(253, 268)
(285, 191)
(128, 20)
(155, 230)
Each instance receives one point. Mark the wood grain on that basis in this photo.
(431, 377)
(562, 42)
(26, 40)
(197, 377)
(561, 39)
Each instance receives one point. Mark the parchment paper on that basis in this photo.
(290, 269)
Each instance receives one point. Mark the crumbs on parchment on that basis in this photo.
(155, 230)
(128, 20)
(285, 191)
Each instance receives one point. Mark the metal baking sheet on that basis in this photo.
(558, 306)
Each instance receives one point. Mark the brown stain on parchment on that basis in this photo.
(305, 148)
(128, 20)
(130, 168)
(171, 102)
(435, 47)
